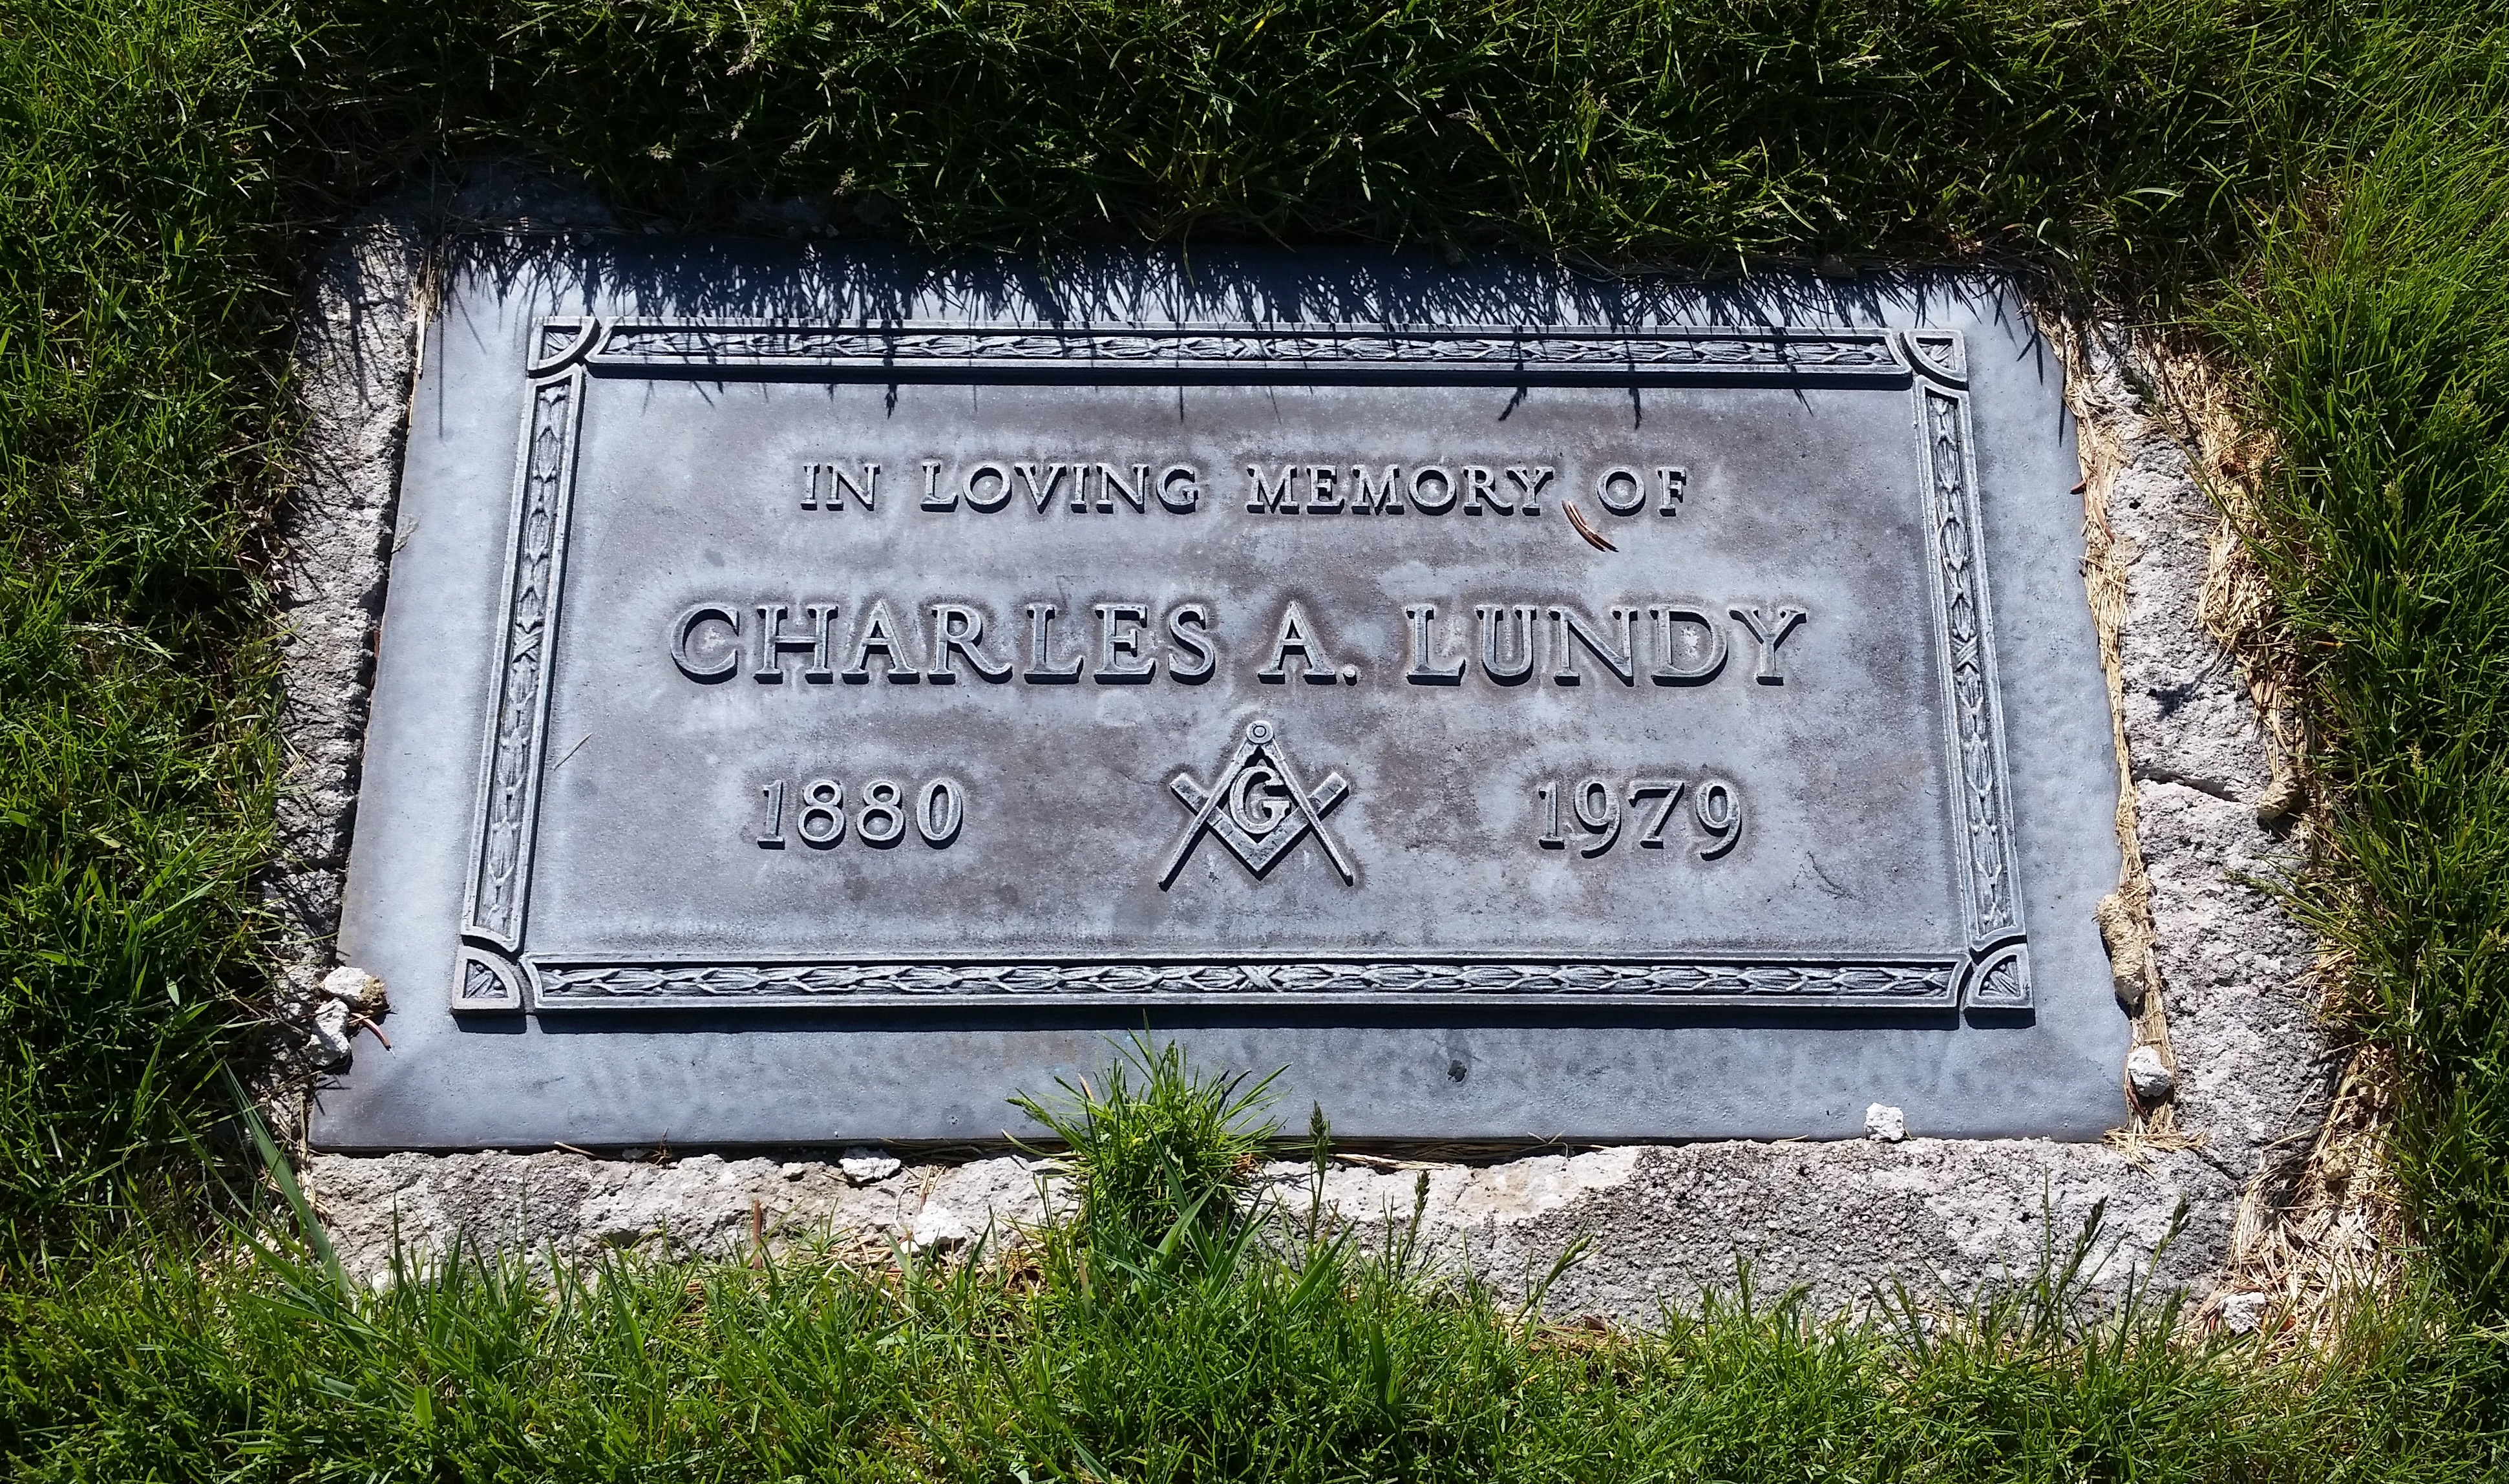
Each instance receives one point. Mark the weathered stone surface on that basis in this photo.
(353, 370)
(2253, 1068)
(354, 988)
(865, 1167)
(1842, 1219)
(328, 1044)
(1667, 1224)
(706, 1206)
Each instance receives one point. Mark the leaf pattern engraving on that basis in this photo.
(625, 985)
(499, 892)
(1989, 845)
(1492, 347)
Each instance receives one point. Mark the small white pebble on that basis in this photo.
(937, 1227)
(1885, 1123)
(2242, 1312)
(864, 1165)
(328, 1045)
(2149, 1074)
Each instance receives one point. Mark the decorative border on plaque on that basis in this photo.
(1974, 706)
(644, 984)
(1253, 352)
(492, 973)
(484, 976)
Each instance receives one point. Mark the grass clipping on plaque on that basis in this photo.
(1191, 1318)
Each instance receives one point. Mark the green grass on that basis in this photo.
(2379, 328)
(1161, 1146)
(1208, 1339)
(1701, 128)
(2321, 188)
(138, 313)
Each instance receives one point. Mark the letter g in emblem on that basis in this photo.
(1258, 801)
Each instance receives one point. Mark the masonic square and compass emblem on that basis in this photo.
(1257, 807)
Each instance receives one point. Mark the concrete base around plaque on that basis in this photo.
(2250, 1070)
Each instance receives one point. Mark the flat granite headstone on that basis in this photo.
(821, 695)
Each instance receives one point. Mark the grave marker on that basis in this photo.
(955, 687)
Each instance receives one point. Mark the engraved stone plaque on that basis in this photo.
(818, 670)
